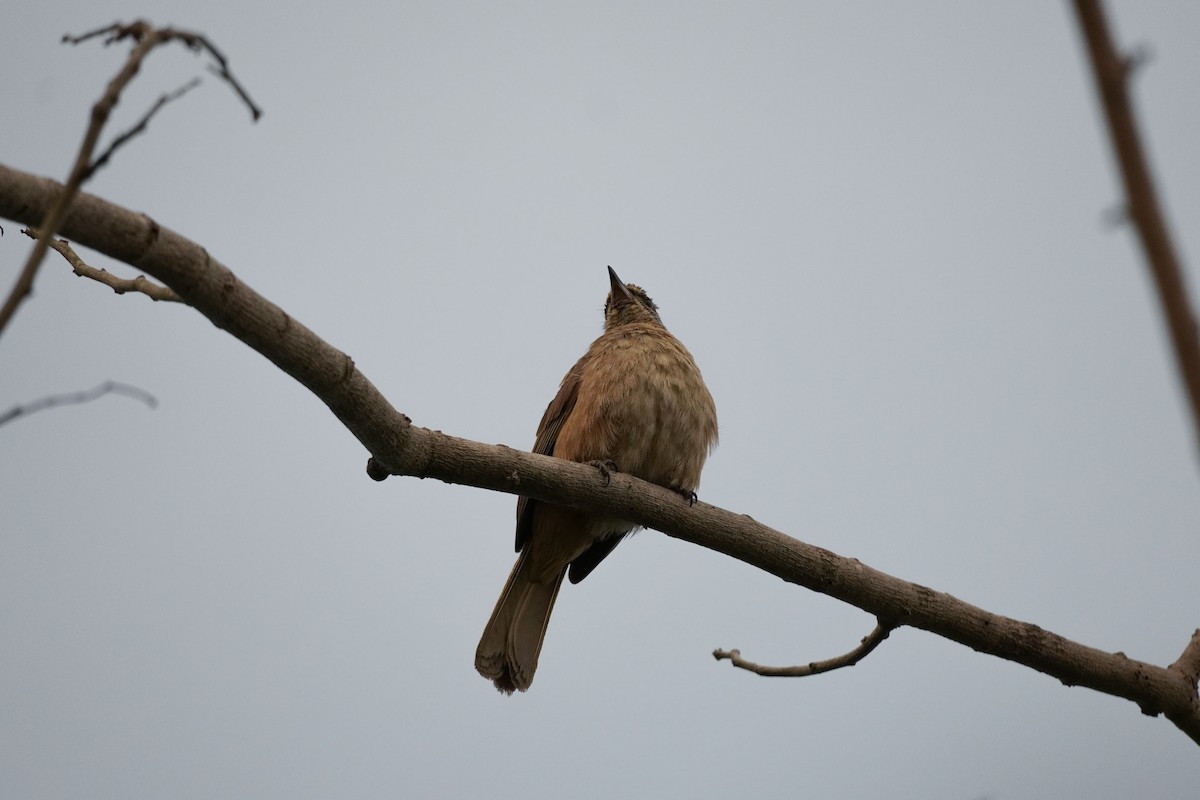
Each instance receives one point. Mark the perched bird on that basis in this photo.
(635, 402)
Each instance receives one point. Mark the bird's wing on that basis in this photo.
(547, 435)
(591, 558)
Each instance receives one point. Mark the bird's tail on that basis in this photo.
(508, 650)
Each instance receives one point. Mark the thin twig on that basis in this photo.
(1112, 74)
(71, 398)
(140, 127)
(869, 643)
(141, 284)
(224, 73)
(140, 30)
(146, 38)
(116, 32)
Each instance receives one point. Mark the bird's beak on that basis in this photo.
(618, 286)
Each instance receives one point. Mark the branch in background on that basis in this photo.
(1112, 74)
(141, 30)
(398, 447)
(139, 284)
(868, 643)
(146, 38)
(140, 127)
(74, 398)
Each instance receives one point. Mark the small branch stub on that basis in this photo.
(375, 471)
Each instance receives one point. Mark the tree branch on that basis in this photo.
(119, 285)
(864, 648)
(72, 398)
(139, 127)
(146, 38)
(1188, 663)
(398, 447)
(1112, 72)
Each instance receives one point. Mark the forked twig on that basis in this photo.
(145, 38)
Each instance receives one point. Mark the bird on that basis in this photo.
(634, 403)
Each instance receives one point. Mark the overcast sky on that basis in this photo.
(880, 229)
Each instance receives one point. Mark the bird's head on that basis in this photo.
(627, 304)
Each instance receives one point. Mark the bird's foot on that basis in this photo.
(607, 467)
(686, 494)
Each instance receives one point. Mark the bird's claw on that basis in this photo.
(686, 494)
(607, 467)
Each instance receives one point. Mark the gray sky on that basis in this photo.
(878, 227)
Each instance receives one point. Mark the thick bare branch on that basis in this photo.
(864, 648)
(73, 398)
(1112, 74)
(398, 447)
